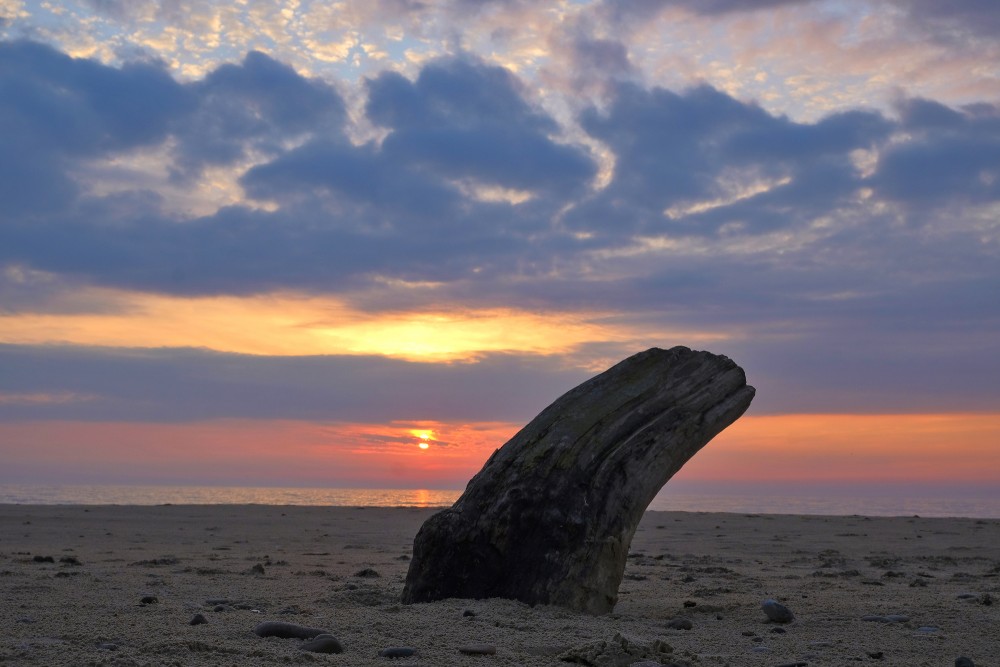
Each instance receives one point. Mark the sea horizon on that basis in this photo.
(980, 502)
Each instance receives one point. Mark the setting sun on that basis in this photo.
(424, 436)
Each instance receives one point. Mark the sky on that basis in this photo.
(361, 243)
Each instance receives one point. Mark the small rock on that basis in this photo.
(876, 655)
(198, 619)
(890, 618)
(986, 599)
(367, 573)
(70, 560)
(778, 631)
(257, 569)
(219, 607)
(286, 630)
(107, 646)
(777, 612)
(962, 661)
(690, 603)
(469, 613)
(323, 643)
(679, 624)
(478, 649)
(149, 599)
(397, 652)
(44, 559)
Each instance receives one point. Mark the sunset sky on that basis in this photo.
(360, 243)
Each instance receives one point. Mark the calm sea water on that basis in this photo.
(985, 503)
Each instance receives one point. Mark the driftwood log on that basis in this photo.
(549, 518)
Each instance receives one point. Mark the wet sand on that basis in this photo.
(72, 581)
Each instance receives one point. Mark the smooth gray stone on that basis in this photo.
(286, 630)
(397, 652)
(550, 517)
(777, 612)
(323, 643)
(680, 624)
(478, 649)
(962, 661)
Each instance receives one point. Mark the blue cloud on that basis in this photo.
(680, 148)
(951, 158)
(462, 118)
(255, 105)
(55, 110)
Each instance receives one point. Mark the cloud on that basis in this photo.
(177, 385)
(981, 17)
(257, 106)
(868, 235)
(692, 162)
(951, 158)
(55, 110)
(464, 119)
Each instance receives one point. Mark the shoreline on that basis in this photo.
(305, 565)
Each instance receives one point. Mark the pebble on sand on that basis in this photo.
(680, 623)
(397, 652)
(149, 599)
(286, 630)
(777, 612)
(198, 619)
(962, 661)
(323, 643)
(478, 649)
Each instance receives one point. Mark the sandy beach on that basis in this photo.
(887, 591)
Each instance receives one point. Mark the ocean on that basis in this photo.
(982, 503)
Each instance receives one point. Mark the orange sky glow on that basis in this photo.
(284, 324)
(782, 448)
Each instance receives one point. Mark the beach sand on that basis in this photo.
(241, 565)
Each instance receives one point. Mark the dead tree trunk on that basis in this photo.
(549, 518)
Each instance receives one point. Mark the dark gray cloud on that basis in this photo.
(177, 385)
(949, 20)
(633, 11)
